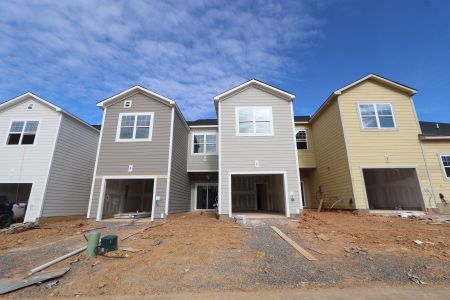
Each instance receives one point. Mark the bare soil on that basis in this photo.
(195, 252)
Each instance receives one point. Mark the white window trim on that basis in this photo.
(204, 134)
(444, 174)
(195, 195)
(378, 128)
(152, 117)
(238, 108)
(306, 139)
(5, 143)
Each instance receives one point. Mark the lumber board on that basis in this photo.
(302, 251)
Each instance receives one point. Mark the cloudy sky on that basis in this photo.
(76, 53)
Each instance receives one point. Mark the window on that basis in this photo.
(206, 196)
(135, 127)
(30, 106)
(205, 143)
(301, 139)
(127, 104)
(22, 132)
(376, 116)
(446, 165)
(254, 121)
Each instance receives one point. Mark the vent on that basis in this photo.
(127, 104)
(30, 106)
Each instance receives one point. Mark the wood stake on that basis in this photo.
(140, 231)
(302, 251)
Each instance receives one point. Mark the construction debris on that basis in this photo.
(418, 242)
(129, 249)
(302, 251)
(7, 285)
(141, 231)
(323, 237)
(95, 263)
(240, 219)
(136, 215)
(19, 227)
(57, 260)
(416, 279)
(51, 284)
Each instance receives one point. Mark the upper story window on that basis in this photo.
(135, 127)
(301, 139)
(254, 121)
(377, 116)
(204, 143)
(445, 159)
(22, 132)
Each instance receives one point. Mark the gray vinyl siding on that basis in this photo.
(201, 162)
(69, 182)
(274, 153)
(179, 181)
(147, 158)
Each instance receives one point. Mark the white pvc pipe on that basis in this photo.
(50, 263)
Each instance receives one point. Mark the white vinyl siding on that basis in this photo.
(376, 116)
(135, 127)
(254, 121)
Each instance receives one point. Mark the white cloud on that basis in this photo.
(83, 51)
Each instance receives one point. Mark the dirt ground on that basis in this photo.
(195, 252)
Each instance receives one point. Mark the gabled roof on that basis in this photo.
(203, 122)
(410, 91)
(434, 130)
(302, 119)
(9, 103)
(131, 91)
(258, 84)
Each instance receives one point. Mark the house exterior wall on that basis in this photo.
(70, 178)
(332, 172)
(149, 158)
(275, 153)
(433, 149)
(306, 157)
(179, 200)
(29, 163)
(381, 148)
(201, 162)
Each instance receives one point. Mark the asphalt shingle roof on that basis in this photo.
(435, 128)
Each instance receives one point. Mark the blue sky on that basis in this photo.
(76, 53)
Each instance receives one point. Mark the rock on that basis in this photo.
(323, 237)
(101, 285)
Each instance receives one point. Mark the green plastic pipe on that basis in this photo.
(93, 239)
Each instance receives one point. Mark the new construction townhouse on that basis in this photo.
(363, 149)
(46, 159)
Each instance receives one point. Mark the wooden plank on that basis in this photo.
(302, 251)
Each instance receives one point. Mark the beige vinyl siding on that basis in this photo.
(332, 172)
(69, 182)
(433, 150)
(274, 153)
(370, 148)
(148, 158)
(29, 163)
(201, 162)
(306, 157)
(179, 200)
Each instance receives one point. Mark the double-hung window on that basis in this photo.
(204, 143)
(135, 127)
(445, 159)
(301, 139)
(377, 116)
(254, 121)
(22, 132)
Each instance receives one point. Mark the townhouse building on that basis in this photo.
(47, 158)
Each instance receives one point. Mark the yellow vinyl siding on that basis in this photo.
(433, 150)
(332, 171)
(381, 148)
(306, 157)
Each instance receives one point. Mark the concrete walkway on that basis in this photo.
(385, 293)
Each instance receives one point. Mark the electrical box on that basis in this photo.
(108, 243)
